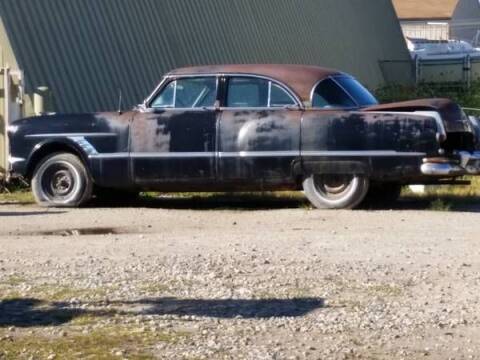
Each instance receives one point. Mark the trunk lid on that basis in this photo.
(453, 117)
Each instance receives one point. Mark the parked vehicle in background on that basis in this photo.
(248, 128)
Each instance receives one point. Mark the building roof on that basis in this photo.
(301, 79)
(425, 9)
(86, 50)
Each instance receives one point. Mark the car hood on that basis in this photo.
(452, 114)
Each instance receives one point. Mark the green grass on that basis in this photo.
(465, 97)
(110, 342)
(448, 197)
(22, 197)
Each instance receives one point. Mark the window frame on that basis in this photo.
(332, 78)
(226, 80)
(167, 80)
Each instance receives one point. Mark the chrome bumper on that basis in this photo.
(466, 164)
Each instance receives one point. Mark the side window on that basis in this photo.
(246, 92)
(328, 94)
(188, 93)
(166, 99)
(279, 97)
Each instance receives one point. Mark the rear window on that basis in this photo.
(362, 96)
(329, 94)
(341, 92)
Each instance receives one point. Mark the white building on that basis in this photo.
(426, 19)
(440, 19)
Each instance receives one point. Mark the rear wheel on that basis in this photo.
(61, 180)
(336, 191)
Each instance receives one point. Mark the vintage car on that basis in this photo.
(237, 128)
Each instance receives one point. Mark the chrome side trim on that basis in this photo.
(85, 145)
(120, 155)
(70, 135)
(140, 155)
(367, 153)
(259, 154)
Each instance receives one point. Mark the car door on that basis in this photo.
(259, 133)
(174, 140)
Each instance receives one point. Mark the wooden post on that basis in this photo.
(6, 117)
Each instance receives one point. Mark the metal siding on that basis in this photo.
(465, 23)
(84, 50)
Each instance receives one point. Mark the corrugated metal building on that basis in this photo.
(85, 50)
(466, 22)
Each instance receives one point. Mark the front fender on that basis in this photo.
(49, 146)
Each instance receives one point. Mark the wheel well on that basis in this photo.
(49, 149)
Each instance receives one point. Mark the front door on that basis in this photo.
(174, 141)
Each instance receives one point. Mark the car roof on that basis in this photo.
(299, 78)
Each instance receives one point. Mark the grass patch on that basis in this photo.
(112, 342)
(62, 293)
(154, 288)
(384, 290)
(50, 292)
(13, 280)
(440, 205)
(466, 97)
(245, 200)
(22, 197)
(447, 197)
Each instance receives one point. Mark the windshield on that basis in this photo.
(342, 92)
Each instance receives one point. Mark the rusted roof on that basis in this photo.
(425, 9)
(300, 78)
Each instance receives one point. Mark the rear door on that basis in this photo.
(259, 135)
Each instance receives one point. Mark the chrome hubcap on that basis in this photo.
(333, 186)
(62, 182)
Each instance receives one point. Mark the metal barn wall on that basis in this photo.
(84, 50)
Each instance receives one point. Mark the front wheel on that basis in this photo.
(336, 191)
(61, 180)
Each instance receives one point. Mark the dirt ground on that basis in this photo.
(270, 280)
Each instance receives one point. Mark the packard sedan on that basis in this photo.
(248, 128)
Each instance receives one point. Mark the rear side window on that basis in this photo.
(246, 92)
(279, 97)
(188, 93)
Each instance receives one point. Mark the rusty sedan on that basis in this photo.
(237, 128)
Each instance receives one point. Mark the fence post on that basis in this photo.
(467, 70)
(417, 69)
(6, 98)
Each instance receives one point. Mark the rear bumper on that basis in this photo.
(466, 163)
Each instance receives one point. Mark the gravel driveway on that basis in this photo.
(278, 283)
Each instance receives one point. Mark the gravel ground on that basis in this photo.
(279, 283)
